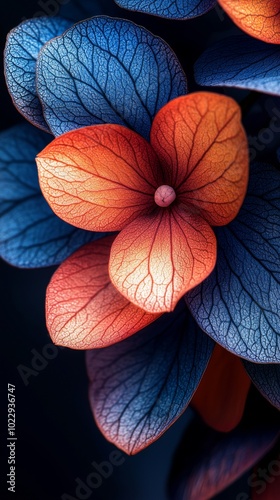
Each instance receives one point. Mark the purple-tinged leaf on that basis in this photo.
(267, 379)
(31, 235)
(21, 52)
(238, 304)
(178, 9)
(240, 61)
(141, 385)
(208, 461)
(107, 70)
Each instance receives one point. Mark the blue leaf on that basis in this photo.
(21, 52)
(31, 235)
(267, 379)
(240, 61)
(238, 304)
(178, 9)
(208, 461)
(141, 385)
(107, 70)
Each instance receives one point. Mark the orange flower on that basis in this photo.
(162, 196)
(258, 18)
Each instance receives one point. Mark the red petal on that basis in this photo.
(221, 395)
(203, 148)
(266, 485)
(83, 309)
(157, 258)
(99, 177)
(258, 18)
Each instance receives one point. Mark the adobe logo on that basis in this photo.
(94, 479)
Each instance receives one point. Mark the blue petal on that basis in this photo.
(208, 461)
(21, 52)
(238, 305)
(107, 70)
(240, 61)
(140, 386)
(267, 379)
(31, 235)
(178, 9)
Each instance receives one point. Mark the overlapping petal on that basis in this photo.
(203, 148)
(238, 304)
(208, 461)
(158, 257)
(21, 51)
(83, 309)
(258, 18)
(221, 396)
(140, 386)
(267, 380)
(106, 70)
(31, 235)
(99, 177)
(240, 61)
(172, 9)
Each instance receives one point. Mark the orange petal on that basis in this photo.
(221, 395)
(258, 18)
(83, 309)
(203, 148)
(157, 258)
(99, 177)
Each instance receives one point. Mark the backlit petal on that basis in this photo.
(258, 18)
(203, 148)
(158, 257)
(221, 395)
(84, 310)
(99, 177)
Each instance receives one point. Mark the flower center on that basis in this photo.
(164, 196)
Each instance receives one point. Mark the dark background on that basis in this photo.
(57, 438)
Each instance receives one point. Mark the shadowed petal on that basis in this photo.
(221, 396)
(157, 257)
(267, 380)
(258, 18)
(99, 177)
(208, 461)
(203, 148)
(84, 310)
(242, 62)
